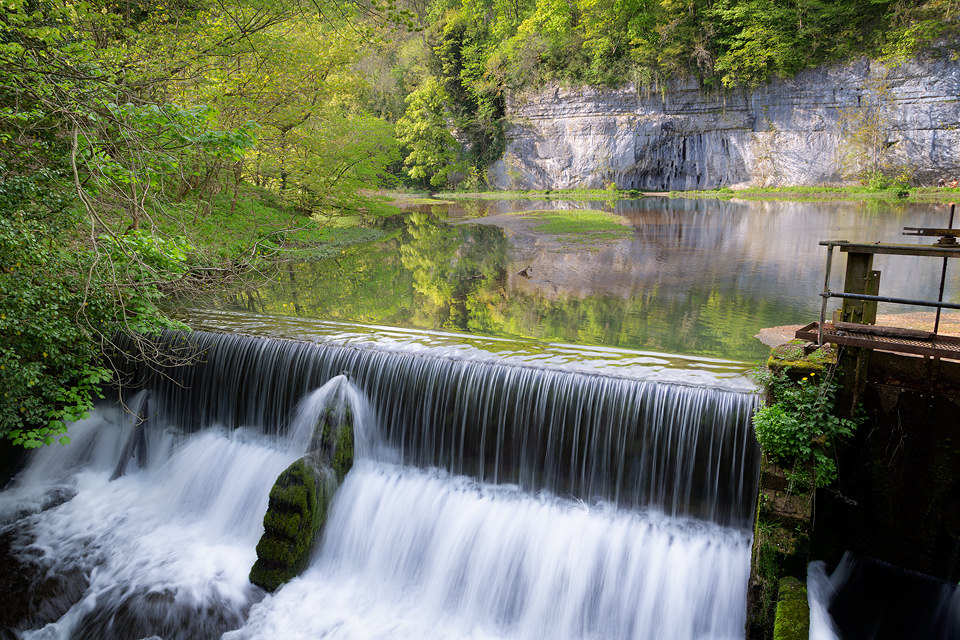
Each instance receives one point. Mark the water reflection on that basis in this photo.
(697, 276)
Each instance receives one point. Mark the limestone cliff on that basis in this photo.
(681, 136)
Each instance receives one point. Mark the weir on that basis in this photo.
(489, 500)
(682, 449)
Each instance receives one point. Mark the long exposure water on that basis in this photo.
(565, 453)
(493, 499)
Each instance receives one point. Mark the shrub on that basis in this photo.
(799, 428)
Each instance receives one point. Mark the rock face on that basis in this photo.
(681, 136)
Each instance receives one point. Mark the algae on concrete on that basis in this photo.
(793, 611)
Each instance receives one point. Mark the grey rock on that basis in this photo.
(682, 136)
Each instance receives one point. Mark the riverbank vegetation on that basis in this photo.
(476, 52)
(798, 428)
(149, 150)
(152, 149)
(895, 192)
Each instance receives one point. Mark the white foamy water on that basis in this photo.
(419, 554)
(167, 547)
(183, 530)
(163, 547)
(820, 592)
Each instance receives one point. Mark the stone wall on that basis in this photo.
(681, 136)
(898, 494)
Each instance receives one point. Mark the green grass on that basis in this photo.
(421, 201)
(258, 222)
(825, 193)
(579, 225)
(548, 194)
(801, 193)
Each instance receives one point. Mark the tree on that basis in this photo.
(334, 156)
(86, 159)
(432, 149)
(867, 151)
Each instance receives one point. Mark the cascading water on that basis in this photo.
(686, 450)
(866, 599)
(413, 554)
(488, 501)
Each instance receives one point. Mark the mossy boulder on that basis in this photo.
(793, 612)
(332, 444)
(295, 515)
(300, 499)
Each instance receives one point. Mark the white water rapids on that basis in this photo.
(166, 548)
(413, 554)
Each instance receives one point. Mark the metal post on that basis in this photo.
(825, 294)
(858, 279)
(943, 275)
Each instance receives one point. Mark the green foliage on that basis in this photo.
(335, 158)
(866, 150)
(98, 164)
(316, 147)
(479, 51)
(799, 428)
(432, 150)
(917, 25)
(56, 317)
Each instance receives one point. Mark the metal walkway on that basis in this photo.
(884, 339)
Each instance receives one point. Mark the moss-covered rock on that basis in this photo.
(800, 358)
(300, 499)
(343, 452)
(793, 612)
(332, 444)
(295, 515)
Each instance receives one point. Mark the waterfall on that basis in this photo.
(413, 554)
(685, 450)
(867, 599)
(489, 500)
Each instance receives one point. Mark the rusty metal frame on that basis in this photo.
(946, 248)
(937, 346)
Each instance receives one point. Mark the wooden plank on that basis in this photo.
(890, 332)
(934, 251)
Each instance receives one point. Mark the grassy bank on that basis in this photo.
(823, 193)
(582, 226)
(547, 194)
(800, 193)
(257, 224)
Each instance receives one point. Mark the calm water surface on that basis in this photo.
(695, 277)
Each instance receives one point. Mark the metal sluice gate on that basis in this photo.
(856, 325)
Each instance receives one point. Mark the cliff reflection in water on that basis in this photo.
(696, 277)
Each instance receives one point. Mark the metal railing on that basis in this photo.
(947, 240)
